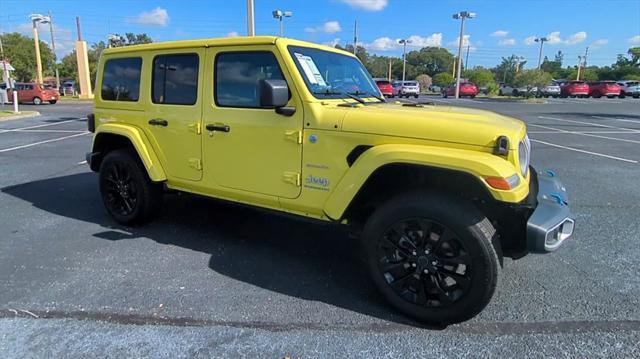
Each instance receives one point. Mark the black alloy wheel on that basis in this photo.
(121, 191)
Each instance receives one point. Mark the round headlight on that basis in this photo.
(524, 149)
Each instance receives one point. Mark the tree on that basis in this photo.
(20, 52)
(506, 71)
(424, 80)
(130, 39)
(442, 79)
(431, 60)
(532, 78)
(553, 67)
(480, 76)
(588, 74)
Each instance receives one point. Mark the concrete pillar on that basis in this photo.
(83, 70)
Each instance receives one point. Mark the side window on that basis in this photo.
(121, 79)
(237, 76)
(175, 79)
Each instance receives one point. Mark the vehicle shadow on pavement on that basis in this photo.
(298, 258)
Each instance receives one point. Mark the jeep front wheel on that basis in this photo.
(431, 257)
(127, 192)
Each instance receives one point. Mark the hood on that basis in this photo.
(435, 123)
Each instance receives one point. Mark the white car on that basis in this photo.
(409, 88)
(629, 88)
(509, 90)
(549, 90)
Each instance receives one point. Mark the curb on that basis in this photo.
(20, 115)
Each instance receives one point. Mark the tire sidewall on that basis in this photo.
(471, 229)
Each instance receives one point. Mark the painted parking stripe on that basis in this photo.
(50, 131)
(36, 126)
(588, 123)
(596, 132)
(616, 119)
(42, 142)
(586, 152)
(586, 134)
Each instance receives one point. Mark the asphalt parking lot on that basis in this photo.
(211, 279)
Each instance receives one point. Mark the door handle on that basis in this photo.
(221, 128)
(158, 122)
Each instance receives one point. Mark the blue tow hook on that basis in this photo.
(550, 173)
(558, 197)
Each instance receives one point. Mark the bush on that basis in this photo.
(442, 79)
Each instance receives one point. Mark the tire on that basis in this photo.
(133, 201)
(37, 101)
(416, 96)
(515, 93)
(53, 102)
(622, 95)
(472, 96)
(636, 96)
(431, 292)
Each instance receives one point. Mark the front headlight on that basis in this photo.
(524, 155)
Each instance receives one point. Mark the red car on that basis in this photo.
(35, 93)
(574, 89)
(468, 89)
(604, 88)
(385, 87)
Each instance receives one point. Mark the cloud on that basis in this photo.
(329, 27)
(500, 33)
(155, 17)
(368, 5)
(634, 40)
(466, 42)
(333, 42)
(388, 44)
(576, 38)
(598, 43)
(64, 37)
(530, 40)
(507, 42)
(553, 38)
(233, 34)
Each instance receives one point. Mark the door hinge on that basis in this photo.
(292, 178)
(195, 128)
(295, 136)
(195, 163)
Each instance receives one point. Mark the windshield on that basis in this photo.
(332, 75)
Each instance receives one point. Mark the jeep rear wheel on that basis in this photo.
(128, 194)
(431, 257)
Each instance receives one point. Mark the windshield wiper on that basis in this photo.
(368, 94)
(355, 98)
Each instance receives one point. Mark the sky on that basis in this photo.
(501, 28)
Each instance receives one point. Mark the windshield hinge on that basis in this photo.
(294, 136)
(195, 128)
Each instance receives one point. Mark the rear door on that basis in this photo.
(174, 115)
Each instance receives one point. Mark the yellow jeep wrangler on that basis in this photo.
(437, 195)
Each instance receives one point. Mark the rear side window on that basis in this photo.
(237, 76)
(121, 79)
(175, 79)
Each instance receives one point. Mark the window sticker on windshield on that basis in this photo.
(310, 69)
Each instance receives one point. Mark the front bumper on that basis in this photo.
(551, 223)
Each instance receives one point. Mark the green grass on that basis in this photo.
(73, 99)
(8, 113)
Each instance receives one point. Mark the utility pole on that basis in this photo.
(453, 68)
(355, 35)
(34, 21)
(461, 16)
(466, 61)
(53, 47)
(251, 29)
(389, 77)
(404, 43)
(541, 40)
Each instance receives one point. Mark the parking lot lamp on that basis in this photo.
(541, 40)
(461, 16)
(35, 19)
(404, 43)
(280, 15)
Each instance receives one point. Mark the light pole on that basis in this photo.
(404, 43)
(541, 40)
(280, 15)
(35, 19)
(519, 61)
(251, 29)
(461, 16)
(47, 20)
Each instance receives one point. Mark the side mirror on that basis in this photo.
(273, 93)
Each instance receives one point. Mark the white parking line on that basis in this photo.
(41, 142)
(596, 132)
(50, 131)
(586, 134)
(36, 126)
(588, 123)
(616, 119)
(587, 152)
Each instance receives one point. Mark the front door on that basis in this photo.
(174, 115)
(247, 147)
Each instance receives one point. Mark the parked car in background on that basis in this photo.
(385, 87)
(551, 90)
(68, 88)
(35, 93)
(467, 89)
(397, 85)
(598, 89)
(574, 89)
(629, 88)
(409, 88)
(510, 90)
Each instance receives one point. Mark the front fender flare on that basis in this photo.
(478, 164)
(141, 144)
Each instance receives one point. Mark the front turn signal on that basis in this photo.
(504, 184)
